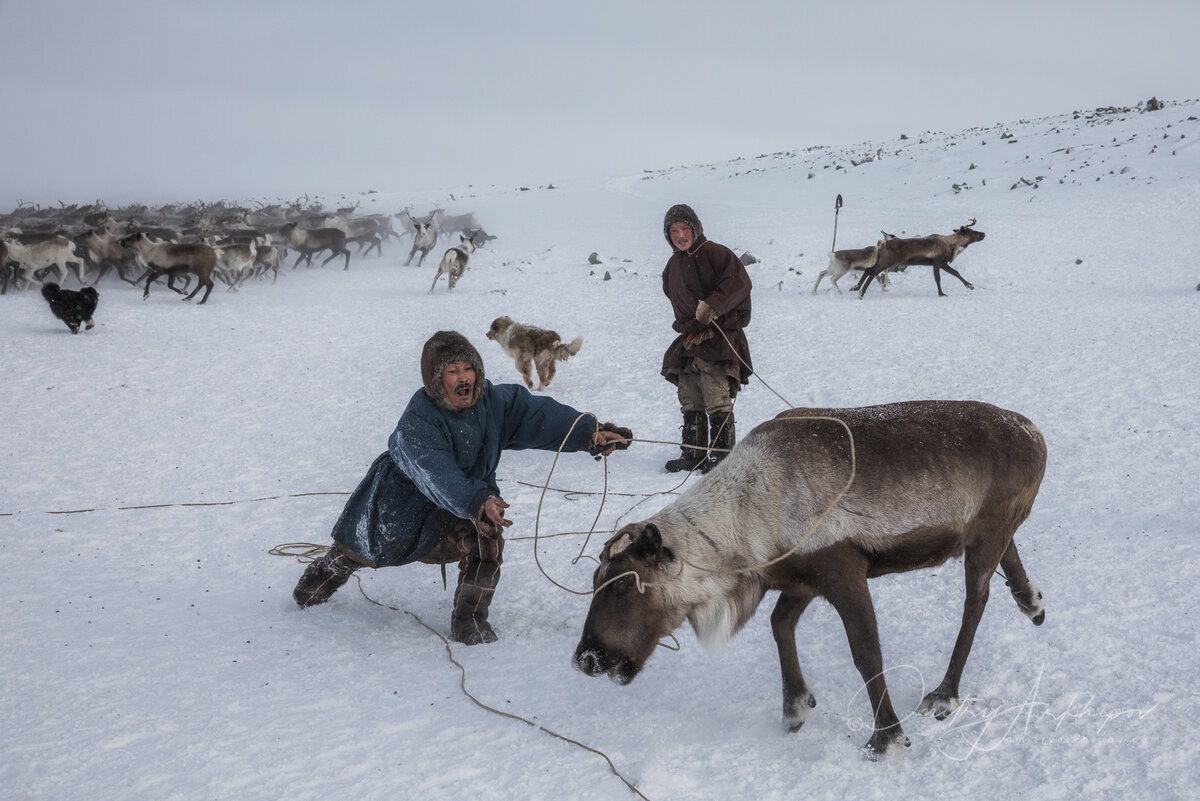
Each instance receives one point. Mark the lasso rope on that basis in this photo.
(305, 552)
(641, 585)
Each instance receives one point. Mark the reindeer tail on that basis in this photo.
(563, 351)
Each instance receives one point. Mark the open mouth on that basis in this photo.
(463, 391)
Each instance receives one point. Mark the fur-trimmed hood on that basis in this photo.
(682, 213)
(440, 350)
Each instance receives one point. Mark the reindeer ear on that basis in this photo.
(648, 546)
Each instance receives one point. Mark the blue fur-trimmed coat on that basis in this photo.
(444, 459)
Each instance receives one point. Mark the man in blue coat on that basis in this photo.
(432, 496)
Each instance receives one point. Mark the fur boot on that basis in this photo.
(478, 574)
(721, 428)
(695, 441)
(323, 577)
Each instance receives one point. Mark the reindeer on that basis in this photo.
(307, 242)
(364, 231)
(454, 223)
(7, 270)
(267, 259)
(235, 263)
(931, 480)
(408, 223)
(844, 261)
(454, 262)
(38, 253)
(102, 249)
(937, 251)
(424, 240)
(172, 260)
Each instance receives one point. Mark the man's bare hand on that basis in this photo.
(493, 512)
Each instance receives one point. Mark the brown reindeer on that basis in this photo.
(937, 251)
(307, 242)
(931, 480)
(173, 260)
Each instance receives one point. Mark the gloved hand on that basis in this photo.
(609, 437)
(705, 314)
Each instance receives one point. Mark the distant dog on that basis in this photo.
(70, 306)
(529, 346)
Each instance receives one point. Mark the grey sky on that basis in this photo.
(165, 100)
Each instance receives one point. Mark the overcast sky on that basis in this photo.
(158, 100)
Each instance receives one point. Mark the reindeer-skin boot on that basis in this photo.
(695, 442)
(720, 426)
(478, 574)
(323, 577)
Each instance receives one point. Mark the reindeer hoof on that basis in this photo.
(883, 743)
(970, 286)
(796, 713)
(940, 704)
(1035, 608)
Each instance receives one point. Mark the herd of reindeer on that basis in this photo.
(233, 244)
(210, 241)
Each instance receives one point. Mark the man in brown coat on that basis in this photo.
(709, 289)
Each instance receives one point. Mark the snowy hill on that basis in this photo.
(152, 649)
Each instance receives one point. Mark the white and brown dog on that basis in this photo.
(532, 347)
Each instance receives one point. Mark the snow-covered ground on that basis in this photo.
(151, 649)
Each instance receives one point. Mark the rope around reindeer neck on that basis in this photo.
(641, 585)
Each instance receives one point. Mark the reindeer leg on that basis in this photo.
(435, 280)
(850, 597)
(865, 282)
(797, 697)
(199, 284)
(1024, 592)
(954, 272)
(208, 291)
(979, 562)
(937, 279)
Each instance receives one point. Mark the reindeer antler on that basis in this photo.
(971, 224)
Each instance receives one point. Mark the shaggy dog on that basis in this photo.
(532, 346)
(70, 306)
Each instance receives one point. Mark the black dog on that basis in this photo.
(70, 306)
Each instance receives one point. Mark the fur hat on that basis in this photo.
(440, 350)
(684, 214)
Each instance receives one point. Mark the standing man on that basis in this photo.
(708, 287)
(432, 496)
